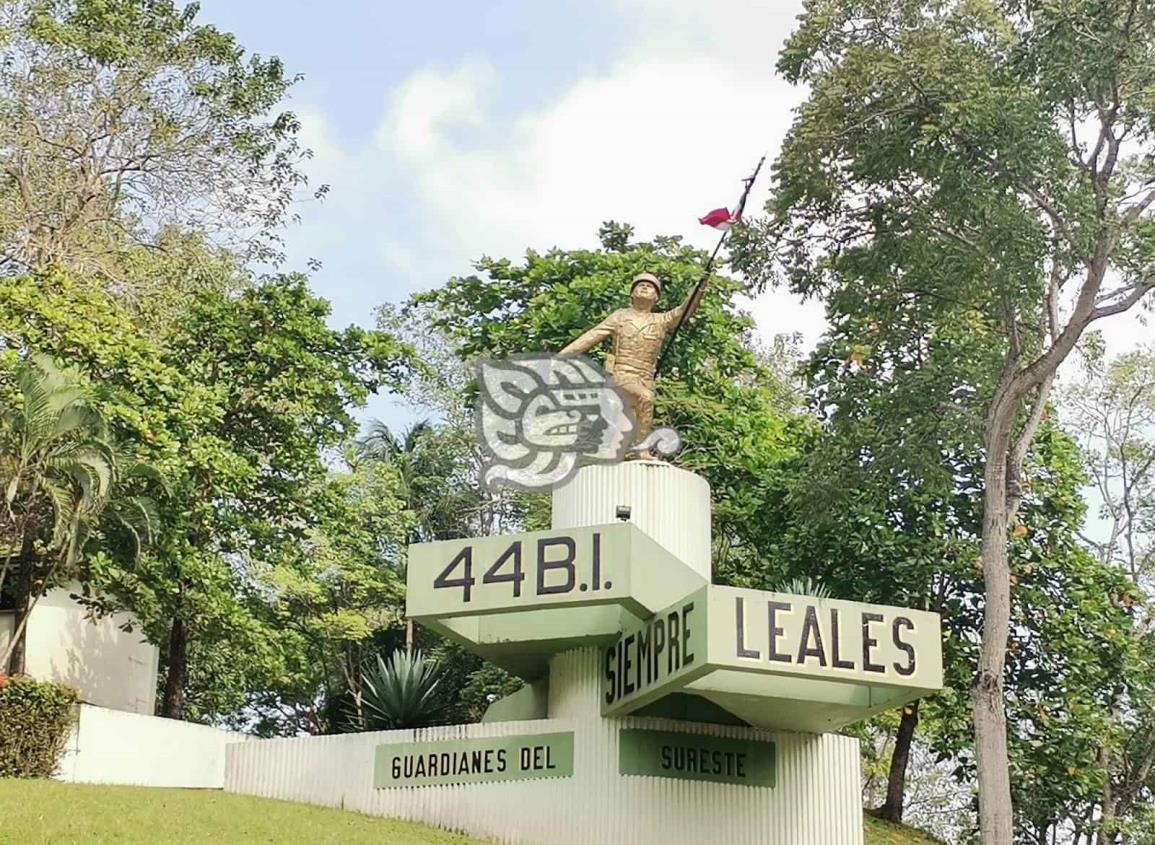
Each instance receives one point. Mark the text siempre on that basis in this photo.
(660, 649)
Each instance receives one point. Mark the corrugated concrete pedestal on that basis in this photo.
(815, 799)
(670, 504)
(817, 796)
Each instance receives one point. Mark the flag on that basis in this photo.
(719, 218)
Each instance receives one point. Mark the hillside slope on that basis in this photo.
(37, 812)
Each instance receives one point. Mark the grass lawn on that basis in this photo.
(37, 812)
(879, 832)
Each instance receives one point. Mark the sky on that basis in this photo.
(452, 130)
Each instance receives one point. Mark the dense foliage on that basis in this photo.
(238, 441)
(36, 718)
(58, 470)
(967, 188)
(127, 124)
(730, 407)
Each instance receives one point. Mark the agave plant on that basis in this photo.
(805, 586)
(398, 692)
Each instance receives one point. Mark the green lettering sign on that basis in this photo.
(685, 756)
(496, 758)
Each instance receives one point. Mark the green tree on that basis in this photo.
(727, 404)
(906, 530)
(234, 407)
(284, 384)
(122, 119)
(1112, 406)
(972, 165)
(439, 471)
(335, 593)
(437, 484)
(59, 469)
(434, 468)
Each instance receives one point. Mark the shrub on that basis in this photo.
(35, 719)
(399, 693)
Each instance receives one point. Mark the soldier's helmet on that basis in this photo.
(646, 277)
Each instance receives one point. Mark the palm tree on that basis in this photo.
(435, 485)
(379, 443)
(58, 471)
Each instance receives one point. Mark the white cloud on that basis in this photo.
(655, 140)
(626, 145)
(429, 104)
(1124, 332)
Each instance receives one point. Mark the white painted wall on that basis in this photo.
(7, 624)
(110, 667)
(112, 746)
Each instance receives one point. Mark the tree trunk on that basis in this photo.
(176, 679)
(17, 660)
(1128, 791)
(996, 821)
(892, 809)
(1105, 834)
(1107, 819)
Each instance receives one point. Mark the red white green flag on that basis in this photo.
(719, 218)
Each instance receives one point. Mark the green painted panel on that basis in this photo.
(685, 756)
(654, 657)
(483, 575)
(824, 639)
(518, 599)
(498, 758)
(528, 703)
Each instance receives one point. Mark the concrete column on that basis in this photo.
(670, 504)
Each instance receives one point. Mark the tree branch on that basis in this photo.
(1141, 290)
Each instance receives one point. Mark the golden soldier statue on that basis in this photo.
(637, 333)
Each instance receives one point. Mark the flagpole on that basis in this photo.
(700, 288)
